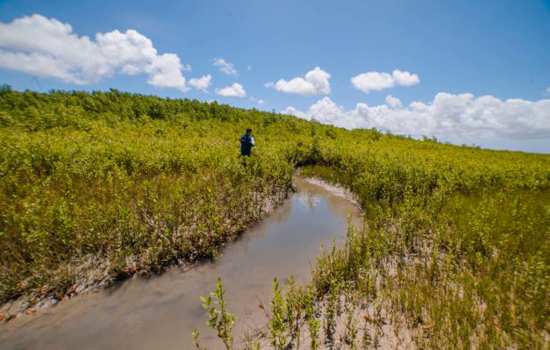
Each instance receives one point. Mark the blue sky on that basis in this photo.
(479, 48)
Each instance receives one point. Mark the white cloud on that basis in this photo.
(375, 81)
(450, 117)
(165, 71)
(315, 82)
(202, 83)
(47, 47)
(225, 67)
(405, 78)
(296, 112)
(235, 90)
(372, 81)
(393, 102)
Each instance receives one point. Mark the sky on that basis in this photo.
(465, 72)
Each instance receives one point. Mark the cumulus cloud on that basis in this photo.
(201, 83)
(449, 117)
(225, 67)
(405, 78)
(165, 71)
(298, 113)
(375, 81)
(393, 102)
(235, 90)
(315, 82)
(46, 47)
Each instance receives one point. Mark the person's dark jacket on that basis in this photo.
(247, 142)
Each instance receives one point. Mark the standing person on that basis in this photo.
(247, 142)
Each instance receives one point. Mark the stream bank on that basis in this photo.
(161, 312)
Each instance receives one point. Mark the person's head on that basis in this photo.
(248, 131)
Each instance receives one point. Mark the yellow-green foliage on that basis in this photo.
(125, 183)
(465, 271)
(135, 182)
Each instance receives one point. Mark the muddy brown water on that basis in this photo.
(161, 312)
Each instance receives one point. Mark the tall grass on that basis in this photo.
(447, 270)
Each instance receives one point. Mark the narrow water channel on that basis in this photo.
(161, 312)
